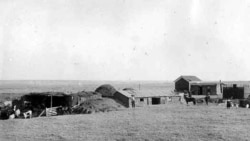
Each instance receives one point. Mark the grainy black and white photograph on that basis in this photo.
(124, 70)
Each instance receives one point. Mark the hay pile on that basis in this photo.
(106, 90)
(96, 105)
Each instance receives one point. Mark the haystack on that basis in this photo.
(95, 105)
(106, 90)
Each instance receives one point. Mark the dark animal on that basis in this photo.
(189, 99)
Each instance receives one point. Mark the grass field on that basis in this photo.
(171, 121)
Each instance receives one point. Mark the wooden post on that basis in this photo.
(42, 113)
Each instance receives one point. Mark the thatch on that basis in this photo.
(106, 90)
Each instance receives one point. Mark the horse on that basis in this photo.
(189, 99)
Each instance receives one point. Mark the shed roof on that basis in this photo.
(200, 83)
(126, 93)
(188, 78)
(148, 93)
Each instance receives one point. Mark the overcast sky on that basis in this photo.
(124, 39)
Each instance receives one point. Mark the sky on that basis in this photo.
(124, 39)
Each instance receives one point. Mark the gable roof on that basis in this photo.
(188, 78)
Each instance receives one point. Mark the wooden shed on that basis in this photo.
(183, 82)
(205, 87)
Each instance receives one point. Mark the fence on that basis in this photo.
(51, 111)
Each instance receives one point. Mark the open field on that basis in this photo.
(172, 121)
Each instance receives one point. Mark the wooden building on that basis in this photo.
(206, 87)
(183, 83)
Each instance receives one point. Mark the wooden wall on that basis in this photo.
(181, 85)
(196, 89)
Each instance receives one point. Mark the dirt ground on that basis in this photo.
(171, 121)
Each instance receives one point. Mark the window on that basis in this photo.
(141, 99)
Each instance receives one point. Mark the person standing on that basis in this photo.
(133, 101)
(228, 103)
(207, 97)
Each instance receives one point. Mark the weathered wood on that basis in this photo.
(41, 113)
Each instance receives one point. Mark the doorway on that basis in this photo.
(156, 101)
(200, 90)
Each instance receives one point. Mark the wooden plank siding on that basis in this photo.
(233, 92)
(181, 85)
(204, 89)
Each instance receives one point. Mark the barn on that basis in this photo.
(206, 87)
(145, 97)
(183, 82)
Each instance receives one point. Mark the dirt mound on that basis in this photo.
(106, 90)
(96, 105)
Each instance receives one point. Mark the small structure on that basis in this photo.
(48, 99)
(205, 87)
(233, 92)
(145, 97)
(182, 83)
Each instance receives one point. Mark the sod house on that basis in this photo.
(145, 97)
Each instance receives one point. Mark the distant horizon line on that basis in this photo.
(115, 80)
(73, 80)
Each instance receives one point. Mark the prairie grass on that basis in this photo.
(171, 121)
